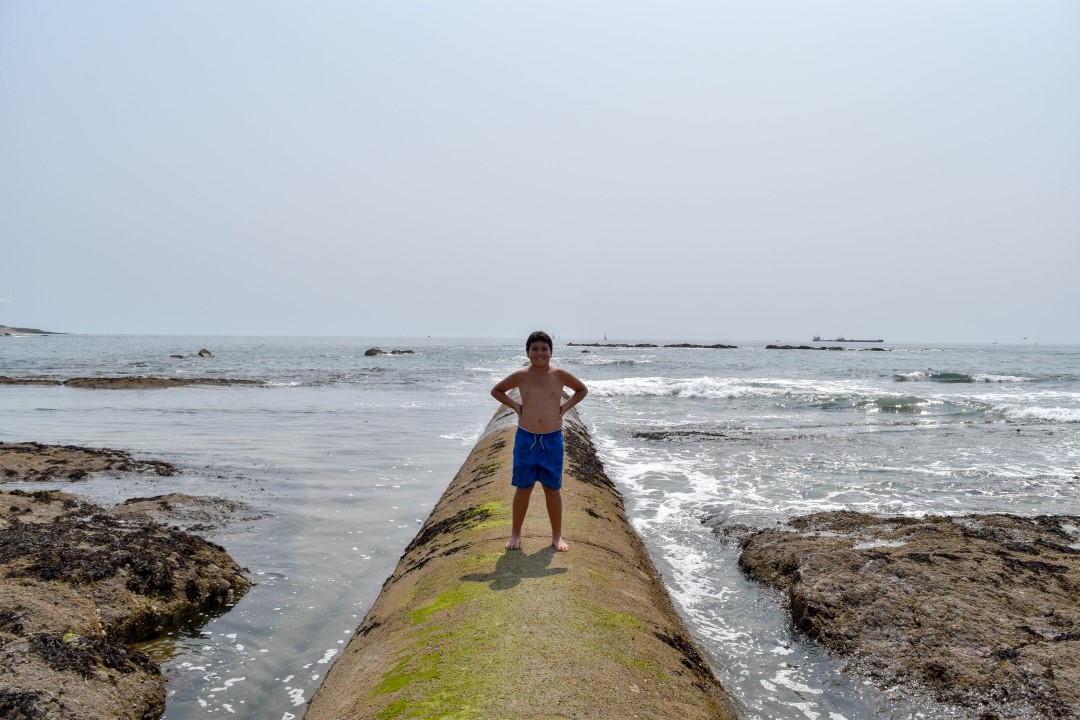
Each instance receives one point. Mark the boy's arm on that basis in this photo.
(499, 392)
(580, 391)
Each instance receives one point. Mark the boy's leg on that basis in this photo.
(520, 507)
(553, 498)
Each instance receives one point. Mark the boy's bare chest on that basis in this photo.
(541, 389)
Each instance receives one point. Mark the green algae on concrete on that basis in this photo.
(465, 629)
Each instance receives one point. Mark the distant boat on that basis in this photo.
(817, 338)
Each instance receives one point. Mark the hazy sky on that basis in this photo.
(666, 170)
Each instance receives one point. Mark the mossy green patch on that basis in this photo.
(394, 710)
(448, 599)
(489, 509)
(453, 671)
(491, 524)
(616, 620)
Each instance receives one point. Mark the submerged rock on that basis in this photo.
(76, 586)
(190, 512)
(982, 610)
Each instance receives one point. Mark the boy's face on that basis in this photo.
(539, 353)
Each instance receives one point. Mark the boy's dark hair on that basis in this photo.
(539, 336)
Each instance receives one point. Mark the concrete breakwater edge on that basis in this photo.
(465, 629)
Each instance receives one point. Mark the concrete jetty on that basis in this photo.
(465, 629)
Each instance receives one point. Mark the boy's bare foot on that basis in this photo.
(514, 543)
(560, 545)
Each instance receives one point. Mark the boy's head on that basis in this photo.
(539, 336)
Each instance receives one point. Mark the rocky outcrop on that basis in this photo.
(193, 513)
(718, 346)
(7, 330)
(204, 353)
(126, 382)
(5, 380)
(33, 461)
(370, 352)
(76, 586)
(982, 610)
(150, 383)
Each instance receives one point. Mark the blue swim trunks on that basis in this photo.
(538, 456)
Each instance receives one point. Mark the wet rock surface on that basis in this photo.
(32, 462)
(371, 352)
(76, 585)
(981, 610)
(193, 513)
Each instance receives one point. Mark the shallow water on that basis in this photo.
(344, 455)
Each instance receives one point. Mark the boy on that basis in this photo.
(538, 446)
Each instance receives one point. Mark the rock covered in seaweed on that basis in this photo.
(31, 461)
(76, 585)
(982, 610)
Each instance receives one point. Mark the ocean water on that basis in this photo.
(342, 456)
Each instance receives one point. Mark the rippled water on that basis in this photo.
(344, 455)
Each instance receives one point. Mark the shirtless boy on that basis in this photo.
(538, 446)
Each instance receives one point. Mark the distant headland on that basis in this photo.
(5, 330)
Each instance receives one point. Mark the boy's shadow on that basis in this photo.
(514, 566)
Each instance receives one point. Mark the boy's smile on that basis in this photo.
(539, 353)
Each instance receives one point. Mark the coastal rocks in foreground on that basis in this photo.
(76, 586)
(126, 382)
(193, 513)
(33, 462)
(371, 352)
(982, 610)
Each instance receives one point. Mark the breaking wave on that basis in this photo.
(1039, 414)
(957, 377)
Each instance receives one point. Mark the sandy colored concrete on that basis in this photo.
(465, 629)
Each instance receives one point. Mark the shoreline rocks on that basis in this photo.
(76, 586)
(79, 582)
(37, 462)
(126, 382)
(983, 610)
